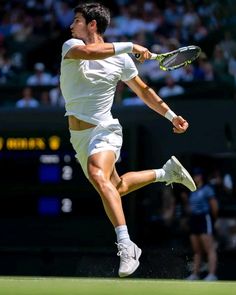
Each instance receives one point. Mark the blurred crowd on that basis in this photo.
(32, 33)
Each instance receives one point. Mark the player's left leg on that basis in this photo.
(171, 172)
(132, 181)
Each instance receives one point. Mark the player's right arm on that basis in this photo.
(96, 51)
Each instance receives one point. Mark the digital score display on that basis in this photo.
(31, 143)
(39, 175)
(39, 172)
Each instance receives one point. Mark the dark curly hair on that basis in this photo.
(95, 11)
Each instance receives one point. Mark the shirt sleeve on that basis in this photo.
(209, 192)
(130, 71)
(69, 44)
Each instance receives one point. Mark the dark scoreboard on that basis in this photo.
(39, 174)
(42, 176)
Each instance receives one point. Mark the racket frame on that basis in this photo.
(161, 57)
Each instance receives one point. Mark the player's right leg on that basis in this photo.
(100, 166)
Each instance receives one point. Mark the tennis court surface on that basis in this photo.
(103, 286)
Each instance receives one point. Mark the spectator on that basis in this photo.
(202, 208)
(223, 185)
(63, 13)
(56, 97)
(188, 73)
(173, 13)
(113, 32)
(7, 69)
(40, 77)
(21, 27)
(45, 99)
(190, 18)
(204, 69)
(220, 64)
(170, 88)
(27, 101)
(228, 45)
(200, 31)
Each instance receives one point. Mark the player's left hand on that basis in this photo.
(180, 124)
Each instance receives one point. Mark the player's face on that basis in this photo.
(79, 27)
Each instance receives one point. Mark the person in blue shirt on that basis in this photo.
(202, 207)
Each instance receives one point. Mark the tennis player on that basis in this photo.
(90, 71)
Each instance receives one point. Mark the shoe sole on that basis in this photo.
(185, 172)
(122, 275)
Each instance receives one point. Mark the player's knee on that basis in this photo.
(122, 187)
(96, 176)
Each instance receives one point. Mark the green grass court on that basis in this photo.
(94, 286)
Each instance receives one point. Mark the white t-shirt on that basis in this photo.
(88, 86)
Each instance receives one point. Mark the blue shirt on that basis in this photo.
(199, 200)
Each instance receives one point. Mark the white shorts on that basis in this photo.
(105, 136)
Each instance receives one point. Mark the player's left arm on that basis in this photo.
(154, 101)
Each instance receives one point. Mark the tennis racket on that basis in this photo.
(177, 58)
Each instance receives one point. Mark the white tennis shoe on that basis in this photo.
(176, 173)
(129, 258)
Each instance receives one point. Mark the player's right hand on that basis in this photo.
(143, 52)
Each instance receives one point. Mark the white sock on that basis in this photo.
(122, 234)
(160, 175)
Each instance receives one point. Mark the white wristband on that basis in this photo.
(123, 47)
(170, 115)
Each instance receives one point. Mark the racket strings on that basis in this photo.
(180, 58)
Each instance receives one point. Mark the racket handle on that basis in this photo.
(153, 56)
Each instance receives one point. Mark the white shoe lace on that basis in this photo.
(176, 173)
(123, 252)
(176, 177)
